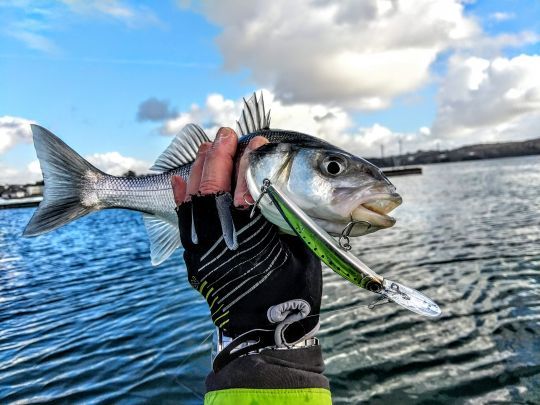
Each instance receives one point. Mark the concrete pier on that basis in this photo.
(20, 202)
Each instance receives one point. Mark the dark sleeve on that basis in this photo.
(278, 369)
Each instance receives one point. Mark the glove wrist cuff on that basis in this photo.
(254, 342)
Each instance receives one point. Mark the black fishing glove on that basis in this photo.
(270, 281)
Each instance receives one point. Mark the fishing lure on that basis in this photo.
(336, 256)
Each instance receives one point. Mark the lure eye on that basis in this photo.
(333, 165)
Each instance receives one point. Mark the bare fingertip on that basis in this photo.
(260, 139)
(178, 188)
(225, 133)
(243, 201)
(204, 148)
(238, 202)
(257, 142)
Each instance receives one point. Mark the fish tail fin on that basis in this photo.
(66, 176)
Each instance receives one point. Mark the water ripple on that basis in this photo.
(85, 318)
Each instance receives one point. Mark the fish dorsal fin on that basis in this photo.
(182, 150)
(164, 238)
(253, 117)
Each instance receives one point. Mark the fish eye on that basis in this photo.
(333, 165)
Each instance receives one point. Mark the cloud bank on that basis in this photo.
(333, 124)
(116, 164)
(358, 54)
(14, 131)
(489, 100)
(324, 60)
(480, 101)
(112, 163)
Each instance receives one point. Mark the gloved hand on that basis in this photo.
(252, 276)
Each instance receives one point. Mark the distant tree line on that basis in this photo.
(471, 152)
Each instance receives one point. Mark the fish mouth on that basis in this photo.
(375, 210)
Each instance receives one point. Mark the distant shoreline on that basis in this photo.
(390, 170)
(20, 202)
(462, 154)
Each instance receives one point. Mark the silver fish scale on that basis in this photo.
(152, 194)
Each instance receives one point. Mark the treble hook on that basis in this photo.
(344, 240)
(379, 301)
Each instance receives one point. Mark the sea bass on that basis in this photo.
(333, 187)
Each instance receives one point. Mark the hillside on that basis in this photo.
(471, 152)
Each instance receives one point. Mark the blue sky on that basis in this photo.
(82, 70)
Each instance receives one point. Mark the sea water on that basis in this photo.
(85, 318)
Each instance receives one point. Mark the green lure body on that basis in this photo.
(326, 249)
(342, 262)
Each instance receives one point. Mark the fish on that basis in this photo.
(334, 187)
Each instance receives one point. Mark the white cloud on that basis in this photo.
(16, 130)
(13, 131)
(216, 112)
(378, 139)
(492, 46)
(35, 41)
(110, 162)
(116, 164)
(348, 53)
(501, 16)
(8, 175)
(14, 175)
(332, 124)
(489, 100)
(34, 168)
(219, 111)
(129, 14)
(480, 100)
(326, 59)
(425, 131)
(38, 20)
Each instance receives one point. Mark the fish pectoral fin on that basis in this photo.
(164, 238)
(182, 150)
